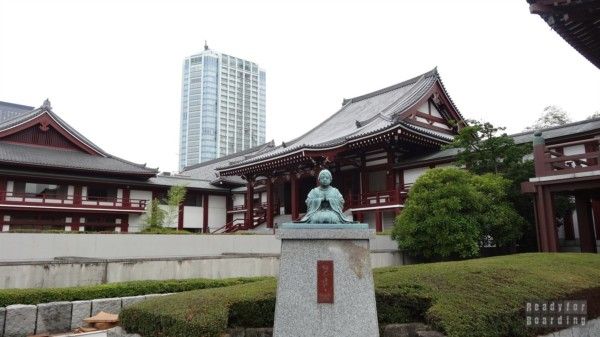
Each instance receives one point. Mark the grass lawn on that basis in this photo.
(478, 298)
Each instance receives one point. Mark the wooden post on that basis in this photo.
(229, 202)
(551, 232)
(364, 176)
(124, 224)
(249, 218)
(180, 218)
(3, 183)
(205, 228)
(539, 154)
(269, 203)
(77, 195)
(294, 192)
(542, 218)
(126, 199)
(378, 221)
(584, 221)
(596, 212)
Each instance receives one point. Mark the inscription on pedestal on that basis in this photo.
(324, 281)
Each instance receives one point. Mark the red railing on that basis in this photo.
(375, 199)
(69, 201)
(259, 218)
(550, 159)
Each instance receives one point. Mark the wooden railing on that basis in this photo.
(550, 159)
(375, 199)
(69, 201)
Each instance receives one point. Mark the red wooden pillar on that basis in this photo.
(269, 203)
(229, 201)
(180, 218)
(77, 194)
(378, 221)
(584, 220)
(249, 218)
(294, 197)
(539, 154)
(547, 236)
(75, 223)
(125, 224)
(126, 199)
(205, 228)
(596, 212)
(391, 173)
(3, 183)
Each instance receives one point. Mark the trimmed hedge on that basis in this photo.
(203, 312)
(473, 298)
(121, 289)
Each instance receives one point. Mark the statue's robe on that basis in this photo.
(325, 205)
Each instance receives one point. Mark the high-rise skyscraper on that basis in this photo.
(222, 107)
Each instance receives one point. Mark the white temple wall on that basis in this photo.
(411, 175)
(192, 217)
(217, 211)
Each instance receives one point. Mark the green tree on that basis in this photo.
(175, 198)
(451, 213)
(155, 217)
(483, 150)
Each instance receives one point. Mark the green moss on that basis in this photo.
(472, 298)
(133, 288)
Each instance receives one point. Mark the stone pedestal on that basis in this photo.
(325, 286)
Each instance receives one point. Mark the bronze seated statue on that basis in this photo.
(325, 203)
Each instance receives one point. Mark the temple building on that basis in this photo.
(52, 177)
(365, 144)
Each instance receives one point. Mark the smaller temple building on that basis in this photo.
(52, 177)
(566, 164)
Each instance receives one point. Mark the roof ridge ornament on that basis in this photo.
(46, 105)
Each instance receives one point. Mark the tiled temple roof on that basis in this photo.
(37, 156)
(362, 116)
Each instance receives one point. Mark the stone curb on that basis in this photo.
(53, 317)
(20, 320)
(23, 320)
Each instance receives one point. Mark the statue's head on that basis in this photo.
(325, 177)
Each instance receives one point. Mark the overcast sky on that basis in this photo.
(112, 69)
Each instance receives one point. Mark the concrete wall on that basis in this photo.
(63, 260)
(80, 272)
(27, 246)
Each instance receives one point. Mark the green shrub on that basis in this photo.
(205, 312)
(474, 298)
(133, 288)
(452, 213)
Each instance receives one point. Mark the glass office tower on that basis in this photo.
(222, 107)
